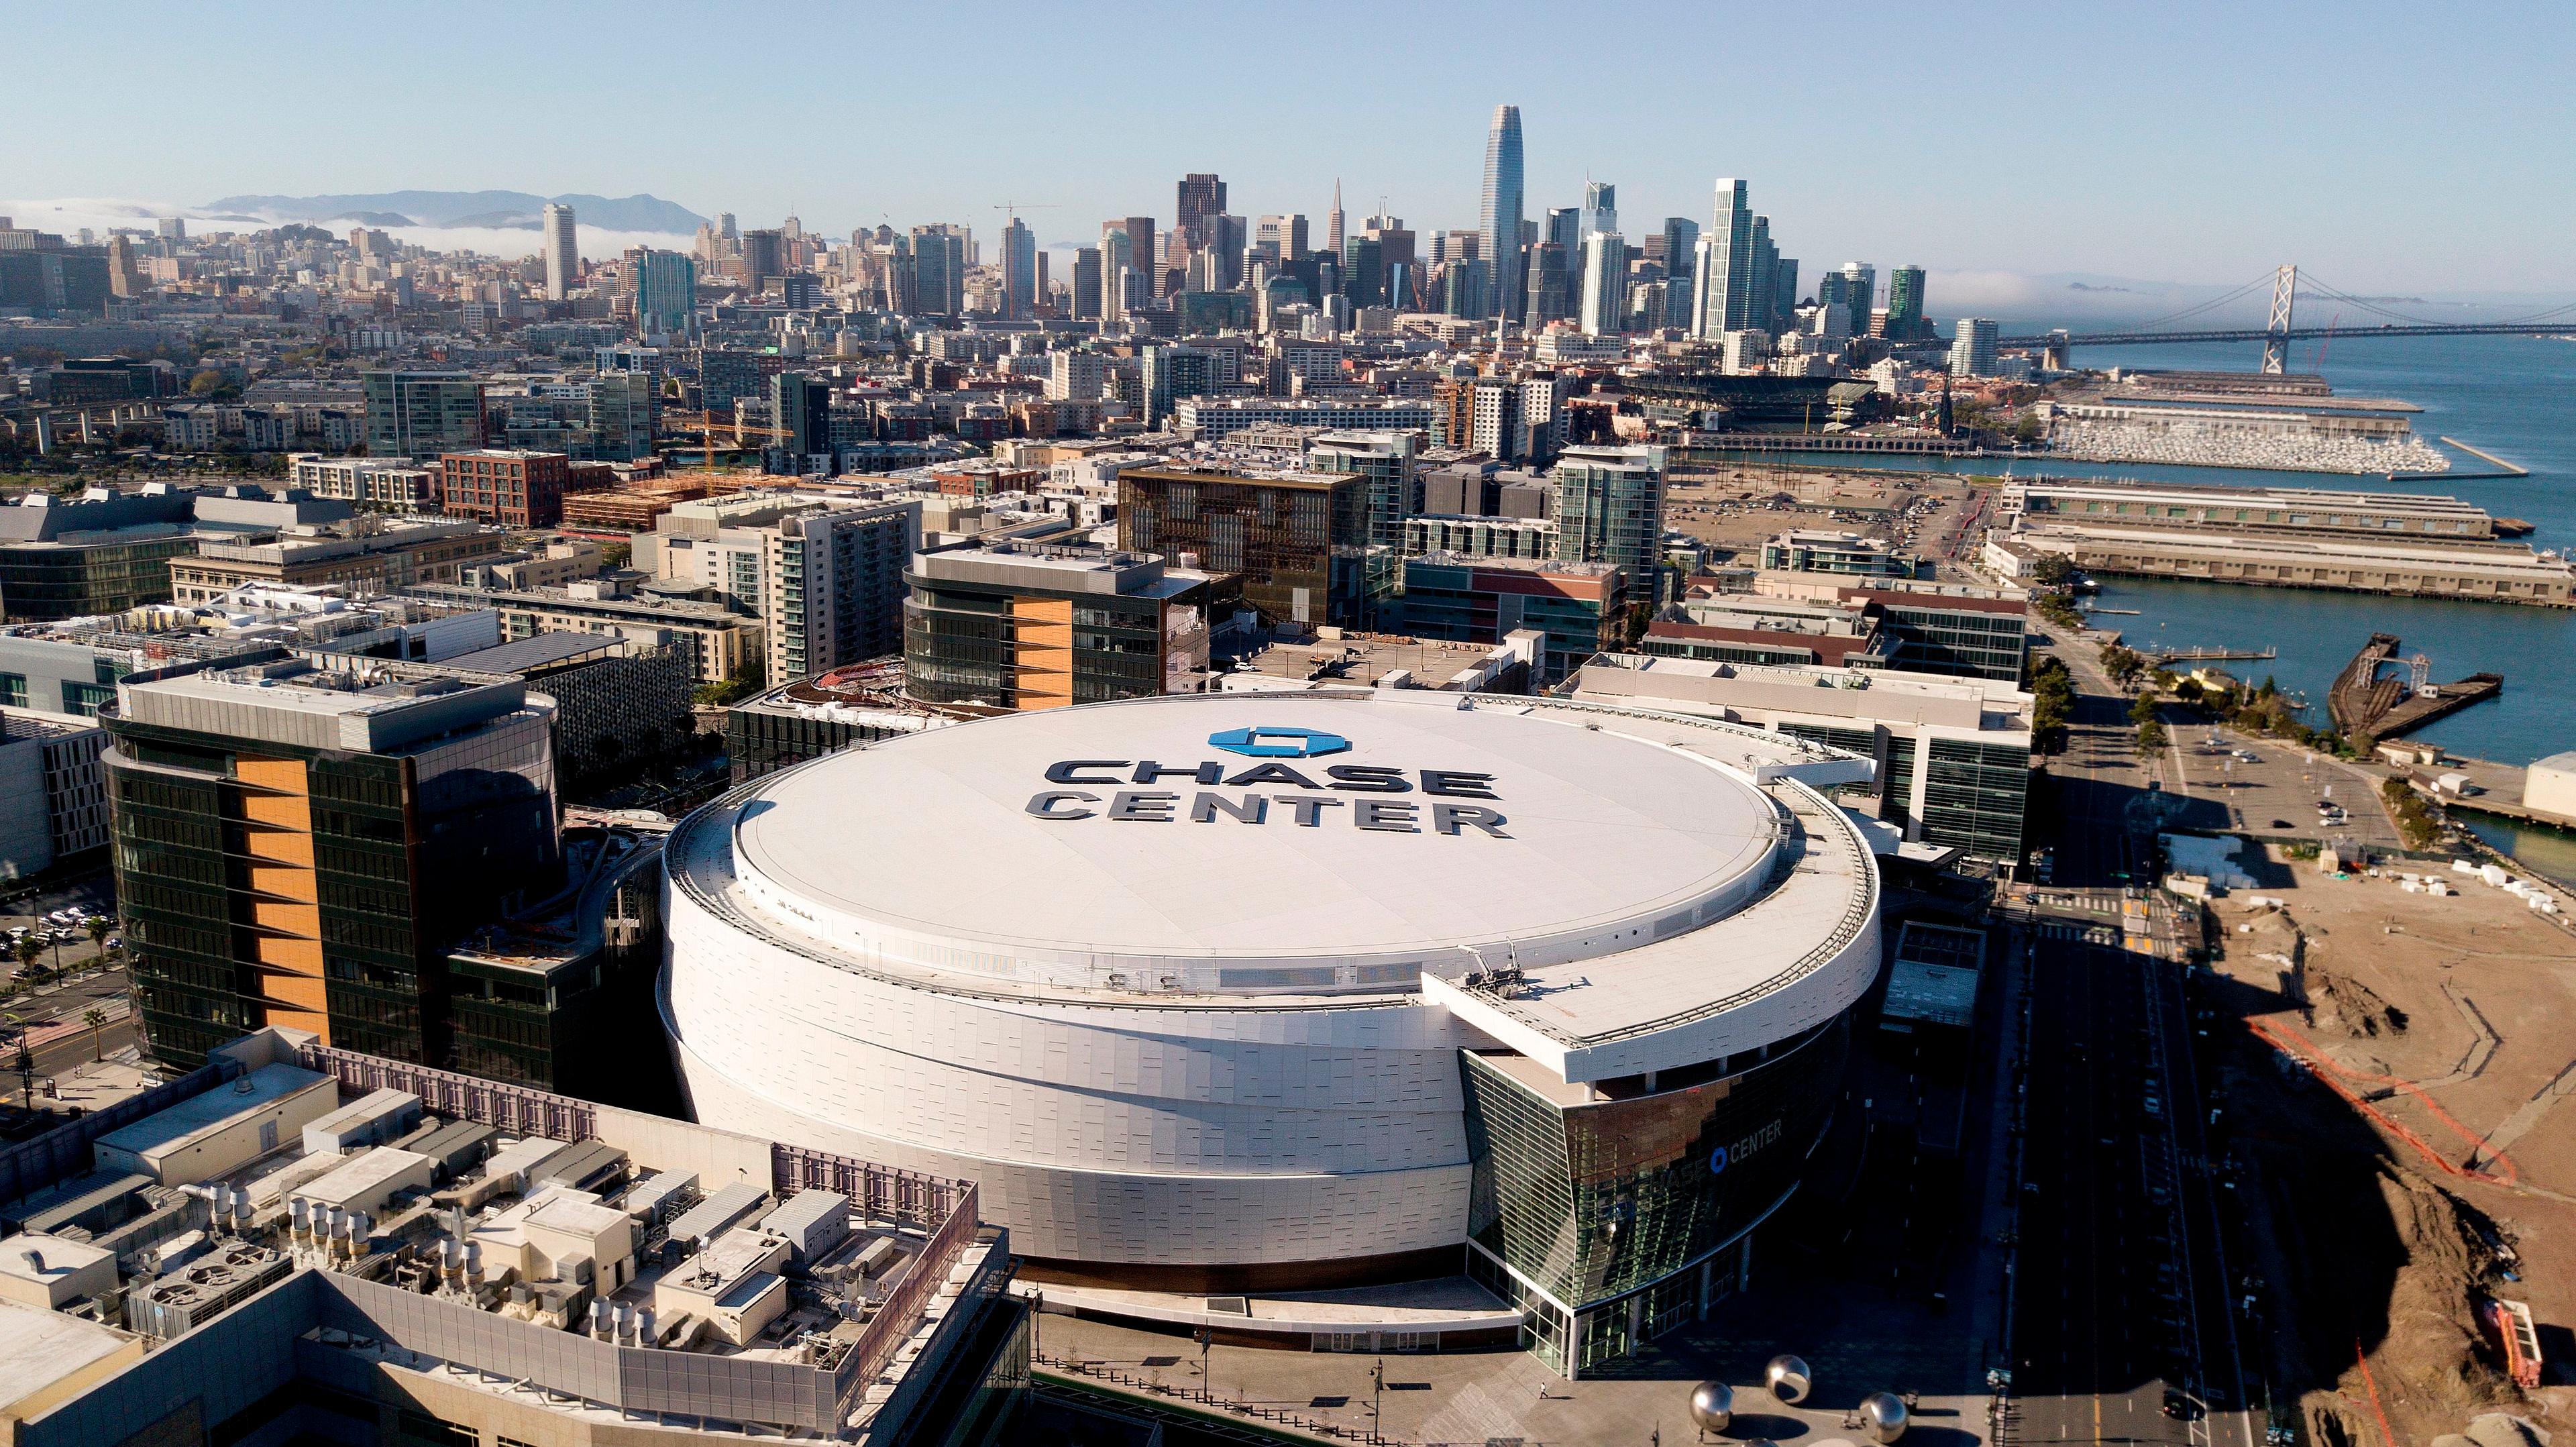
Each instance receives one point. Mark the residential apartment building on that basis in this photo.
(1389, 462)
(1023, 626)
(422, 414)
(386, 484)
(1610, 509)
(53, 790)
(834, 585)
(298, 846)
(1214, 419)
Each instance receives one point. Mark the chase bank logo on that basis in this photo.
(1271, 743)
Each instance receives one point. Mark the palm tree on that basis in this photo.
(96, 1019)
(98, 927)
(26, 949)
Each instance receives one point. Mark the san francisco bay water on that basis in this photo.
(2514, 397)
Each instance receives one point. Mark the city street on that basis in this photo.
(2122, 1324)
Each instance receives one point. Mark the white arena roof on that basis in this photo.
(932, 838)
(1320, 844)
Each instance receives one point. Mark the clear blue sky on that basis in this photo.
(2388, 148)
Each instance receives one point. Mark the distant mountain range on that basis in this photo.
(467, 208)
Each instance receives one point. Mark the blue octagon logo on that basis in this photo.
(1279, 743)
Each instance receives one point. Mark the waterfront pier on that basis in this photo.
(2365, 701)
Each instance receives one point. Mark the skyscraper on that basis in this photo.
(1681, 245)
(1972, 351)
(1605, 284)
(1201, 195)
(1600, 207)
(1117, 257)
(1759, 305)
(563, 257)
(764, 255)
(1019, 268)
(1333, 221)
(1905, 305)
(1503, 211)
(938, 270)
(1086, 284)
(1723, 284)
(666, 290)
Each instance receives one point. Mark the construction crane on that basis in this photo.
(1013, 209)
(705, 424)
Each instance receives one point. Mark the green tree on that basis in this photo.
(27, 949)
(96, 1019)
(2151, 737)
(2055, 570)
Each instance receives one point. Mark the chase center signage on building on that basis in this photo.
(1124, 790)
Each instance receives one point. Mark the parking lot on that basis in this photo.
(57, 918)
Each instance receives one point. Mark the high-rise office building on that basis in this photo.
(764, 256)
(300, 847)
(1564, 227)
(1019, 269)
(1681, 257)
(1972, 348)
(665, 284)
(1550, 291)
(624, 406)
(124, 275)
(1610, 509)
(1333, 221)
(1905, 322)
(1759, 302)
(1026, 626)
(1168, 374)
(1117, 261)
(802, 406)
(1503, 211)
(1364, 270)
(938, 270)
(1086, 284)
(1389, 461)
(563, 254)
(1855, 286)
(1198, 197)
(1605, 284)
(1282, 238)
(422, 414)
(1600, 207)
(1298, 540)
(1722, 284)
(1784, 294)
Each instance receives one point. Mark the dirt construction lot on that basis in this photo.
(2402, 1087)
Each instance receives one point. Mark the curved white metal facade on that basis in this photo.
(1179, 1118)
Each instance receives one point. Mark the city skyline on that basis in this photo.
(2052, 166)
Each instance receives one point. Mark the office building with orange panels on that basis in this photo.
(1025, 626)
(299, 846)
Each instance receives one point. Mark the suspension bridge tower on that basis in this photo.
(2276, 332)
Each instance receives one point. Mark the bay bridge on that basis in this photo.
(2279, 331)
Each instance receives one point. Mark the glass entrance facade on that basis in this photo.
(1611, 1220)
